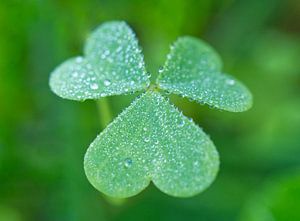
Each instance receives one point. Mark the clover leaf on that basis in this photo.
(151, 140)
(113, 64)
(193, 70)
(160, 145)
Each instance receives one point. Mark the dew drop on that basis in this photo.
(230, 82)
(107, 82)
(160, 70)
(181, 123)
(196, 163)
(79, 59)
(94, 86)
(145, 129)
(128, 162)
(75, 74)
(147, 139)
(141, 64)
(119, 49)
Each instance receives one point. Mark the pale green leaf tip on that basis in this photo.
(151, 141)
(196, 42)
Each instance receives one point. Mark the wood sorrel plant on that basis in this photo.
(151, 140)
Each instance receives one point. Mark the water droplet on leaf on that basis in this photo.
(181, 123)
(128, 162)
(107, 82)
(230, 82)
(160, 70)
(79, 59)
(94, 86)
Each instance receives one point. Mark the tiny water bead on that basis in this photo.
(230, 81)
(94, 86)
(79, 59)
(141, 64)
(160, 69)
(181, 123)
(107, 82)
(196, 164)
(128, 162)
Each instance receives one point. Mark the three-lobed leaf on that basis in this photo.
(193, 70)
(151, 140)
(113, 64)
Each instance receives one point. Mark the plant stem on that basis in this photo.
(105, 116)
(104, 111)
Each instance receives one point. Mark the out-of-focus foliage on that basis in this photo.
(43, 138)
(277, 200)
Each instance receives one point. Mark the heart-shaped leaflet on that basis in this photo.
(113, 64)
(151, 141)
(193, 70)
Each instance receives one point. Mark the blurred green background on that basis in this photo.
(43, 138)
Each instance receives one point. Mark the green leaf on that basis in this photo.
(113, 64)
(193, 70)
(151, 140)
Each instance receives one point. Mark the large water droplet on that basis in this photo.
(230, 82)
(128, 162)
(79, 59)
(107, 82)
(160, 70)
(196, 163)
